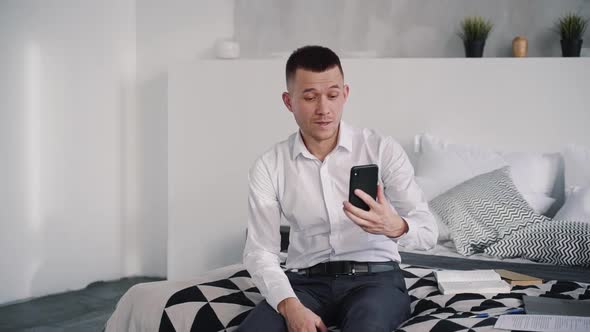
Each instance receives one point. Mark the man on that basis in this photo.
(342, 265)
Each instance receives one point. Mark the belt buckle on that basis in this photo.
(350, 268)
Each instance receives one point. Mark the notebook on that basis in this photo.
(474, 281)
(518, 279)
(562, 307)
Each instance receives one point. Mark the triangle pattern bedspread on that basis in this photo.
(222, 303)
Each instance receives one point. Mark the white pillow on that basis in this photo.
(533, 173)
(442, 165)
(429, 186)
(444, 233)
(576, 206)
(577, 166)
(539, 202)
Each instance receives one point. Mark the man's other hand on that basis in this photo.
(380, 219)
(299, 318)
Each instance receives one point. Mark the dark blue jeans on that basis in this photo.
(370, 302)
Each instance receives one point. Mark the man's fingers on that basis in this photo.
(320, 325)
(366, 198)
(357, 211)
(366, 225)
(361, 222)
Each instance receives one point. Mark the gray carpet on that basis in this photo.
(84, 310)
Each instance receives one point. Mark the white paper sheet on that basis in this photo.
(543, 323)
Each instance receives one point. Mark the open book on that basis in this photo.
(475, 281)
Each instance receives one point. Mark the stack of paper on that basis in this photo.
(475, 281)
(543, 323)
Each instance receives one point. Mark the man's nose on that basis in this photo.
(322, 106)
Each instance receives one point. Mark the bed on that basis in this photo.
(221, 299)
(522, 226)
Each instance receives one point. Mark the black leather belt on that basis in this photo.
(347, 268)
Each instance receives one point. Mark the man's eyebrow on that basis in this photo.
(313, 89)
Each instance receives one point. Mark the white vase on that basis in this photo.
(227, 49)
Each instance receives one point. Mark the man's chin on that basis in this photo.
(323, 135)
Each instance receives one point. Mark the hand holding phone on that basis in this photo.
(365, 178)
(382, 219)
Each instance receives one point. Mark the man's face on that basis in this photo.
(316, 101)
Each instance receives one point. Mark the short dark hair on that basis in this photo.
(313, 58)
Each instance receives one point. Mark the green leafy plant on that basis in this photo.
(475, 28)
(571, 26)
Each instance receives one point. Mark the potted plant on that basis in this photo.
(474, 32)
(571, 28)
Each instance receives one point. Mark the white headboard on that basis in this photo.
(224, 114)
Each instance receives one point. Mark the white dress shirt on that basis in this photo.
(289, 185)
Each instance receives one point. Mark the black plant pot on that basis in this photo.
(474, 48)
(571, 47)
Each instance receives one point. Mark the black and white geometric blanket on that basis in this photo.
(222, 303)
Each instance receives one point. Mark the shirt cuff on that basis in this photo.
(404, 234)
(276, 296)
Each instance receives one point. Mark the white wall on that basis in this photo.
(83, 148)
(168, 32)
(66, 70)
(224, 114)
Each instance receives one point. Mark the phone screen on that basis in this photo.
(365, 178)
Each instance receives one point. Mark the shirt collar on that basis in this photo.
(345, 136)
(344, 140)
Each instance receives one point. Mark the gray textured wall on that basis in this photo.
(397, 28)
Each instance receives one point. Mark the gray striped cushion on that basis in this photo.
(554, 242)
(483, 210)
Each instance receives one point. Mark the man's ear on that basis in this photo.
(346, 91)
(287, 101)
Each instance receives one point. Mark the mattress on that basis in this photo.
(221, 299)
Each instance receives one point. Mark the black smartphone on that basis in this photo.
(365, 178)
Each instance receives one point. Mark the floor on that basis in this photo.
(83, 310)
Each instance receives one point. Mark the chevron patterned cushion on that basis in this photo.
(554, 242)
(483, 210)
